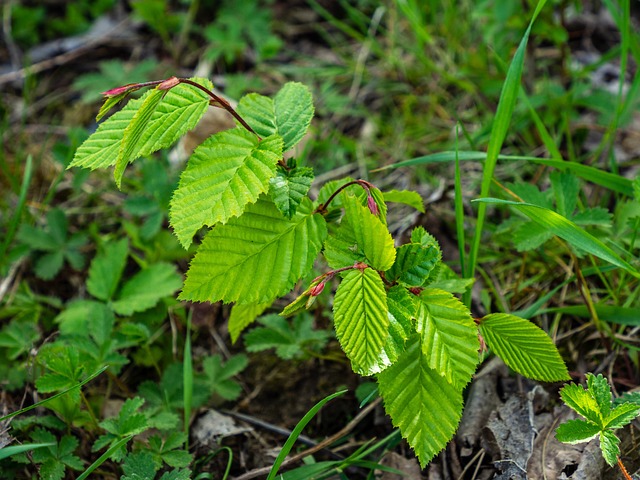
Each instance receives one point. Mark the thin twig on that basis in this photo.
(320, 446)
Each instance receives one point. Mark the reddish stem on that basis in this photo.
(322, 208)
(223, 103)
(623, 469)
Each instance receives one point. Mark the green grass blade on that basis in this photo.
(104, 457)
(59, 394)
(459, 208)
(568, 231)
(499, 129)
(17, 214)
(297, 431)
(187, 379)
(608, 180)
(607, 313)
(7, 452)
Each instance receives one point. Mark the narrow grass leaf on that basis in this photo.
(104, 457)
(524, 347)
(6, 452)
(568, 231)
(286, 448)
(611, 181)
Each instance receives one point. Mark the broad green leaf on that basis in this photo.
(580, 400)
(568, 231)
(79, 317)
(598, 388)
(365, 235)
(294, 111)
(100, 150)
(290, 339)
(138, 466)
(242, 316)
(289, 114)
(407, 197)
(48, 265)
(106, 269)
(566, 188)
(414, 264)
(361, 320)
(402, 306)
(449, 336)
(131, 139)
(621, 415)
(530, 235)
(259, 112)
(218, 375)
(524, 347)
(610, 446)
(225, 173)
(256, 257)
(421, 403)
(146, 288)
(287, 189)
(19, 337)
(179, 111)
(577, 431)
(108, 104)
(54, 459)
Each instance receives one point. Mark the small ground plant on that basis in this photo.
(394, 309)
(601, 417)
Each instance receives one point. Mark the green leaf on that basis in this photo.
(48, 265)
(100, 150)
(598, 388)
(580, 400)
(407, 197)
(218, 375)
(18, 337)
(242, 316)
(403, 307)
(180, 111)
(256, 257)
(294, 111)
(569, 231)
(449, 336)
(128, 422)
(287, 189)
(224, 174)
(422, 404)
(108, 104)
(138, 466)
(414, 264)
(65, 368)
(621, 415)
(54, 459)
(577, 431)
(79, 317)
(610, 446)
(289, 114)
(131, 140)
(361, 236)
(290, 340)
(566, 188)
(146, 288)
(106, 269)
(361, 320)
(524, 347)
